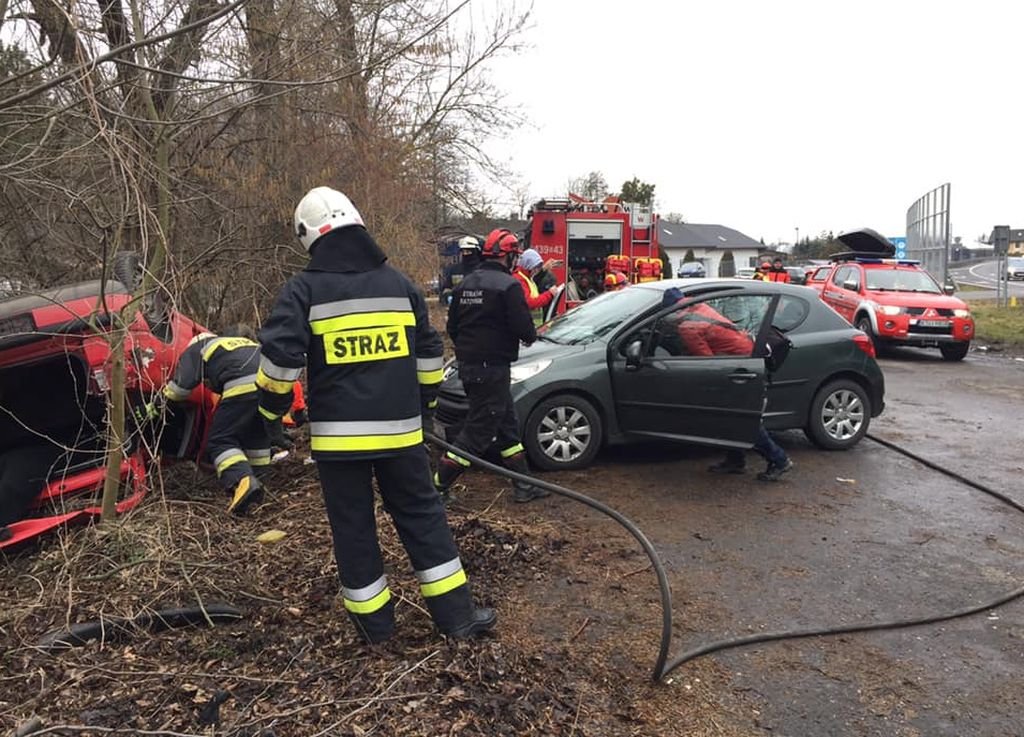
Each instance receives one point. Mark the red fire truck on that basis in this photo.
(592, 239)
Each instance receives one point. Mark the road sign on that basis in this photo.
(900, 242)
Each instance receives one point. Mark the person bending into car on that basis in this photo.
(703, 331)
(239, 439)
(487, 320)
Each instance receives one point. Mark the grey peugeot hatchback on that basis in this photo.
(635, 364)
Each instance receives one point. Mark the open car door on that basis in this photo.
(695, 371)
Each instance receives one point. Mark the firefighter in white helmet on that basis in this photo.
(374, 366)
(469, 259)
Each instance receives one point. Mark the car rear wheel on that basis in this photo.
(839, 416)
(563, 432)
(954, 351)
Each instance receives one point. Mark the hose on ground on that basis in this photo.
(874, 626)
(663, 666)
(666, 594)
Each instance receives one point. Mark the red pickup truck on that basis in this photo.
(894, 301)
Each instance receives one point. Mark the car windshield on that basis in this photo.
(599, 316)
(1015, 262)
(901, 280)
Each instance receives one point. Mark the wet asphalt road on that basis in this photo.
(895, 540)
(862, 536)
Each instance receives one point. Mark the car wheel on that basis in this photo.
(864, 325)
(955, 351)
(840, 415)
(563, 432)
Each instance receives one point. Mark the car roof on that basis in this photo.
(708, 284)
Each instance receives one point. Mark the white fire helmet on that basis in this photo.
(322, 210)
(469, 243)
(200, 338)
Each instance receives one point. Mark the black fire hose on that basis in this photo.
(870, 627)
(113, 629)
(663, 668)
(666, 594)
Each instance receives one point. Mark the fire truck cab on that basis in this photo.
(591, 240)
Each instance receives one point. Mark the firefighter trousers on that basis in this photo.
(411, 501)
(491, 420)
(238, 442)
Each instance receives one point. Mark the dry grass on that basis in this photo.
(566, 660)
(999, 325)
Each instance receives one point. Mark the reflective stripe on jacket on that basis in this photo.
(227, 365)
(373, 360)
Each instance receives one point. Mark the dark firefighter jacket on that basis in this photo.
(227, 365)
(488, 317)
(374, 361)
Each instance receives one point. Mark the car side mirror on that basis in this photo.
(634, 355)
(852, 285)
(949, 289)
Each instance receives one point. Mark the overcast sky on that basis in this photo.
(772, 116)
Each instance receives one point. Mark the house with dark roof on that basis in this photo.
(720, 249)
(1016, 242)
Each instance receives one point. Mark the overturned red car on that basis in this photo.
(55, 379)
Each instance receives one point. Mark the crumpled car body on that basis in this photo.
(55, 379)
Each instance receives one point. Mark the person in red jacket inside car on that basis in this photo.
(704, 331)
(527, 267)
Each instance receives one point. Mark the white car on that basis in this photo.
(747, 272)
(1015, 267)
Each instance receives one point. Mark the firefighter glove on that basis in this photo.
(275, 432)
(150, 411)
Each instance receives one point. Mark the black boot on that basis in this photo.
(447, 471)
(523, 491)
(482, 620)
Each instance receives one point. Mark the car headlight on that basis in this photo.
(889, 309)
(524, 371)
(961, 313)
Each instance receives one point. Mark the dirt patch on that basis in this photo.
(572, 655)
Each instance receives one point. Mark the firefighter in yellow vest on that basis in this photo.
(239, 439)
(374, 366)
(528, 265)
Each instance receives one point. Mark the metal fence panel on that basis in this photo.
(928, 232)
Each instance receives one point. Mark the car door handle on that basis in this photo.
(742, 377)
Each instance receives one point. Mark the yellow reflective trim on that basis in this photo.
(236, 390)
(361, 320)
(269, 415)
(509, 452)
(458, 459)
(275, 386)
(230, 461)
(228, 344)
(355, 443)
(430, 377)
(368, 344)
(370, 605)
(432, 403)
(446, 584)
(259, 461)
